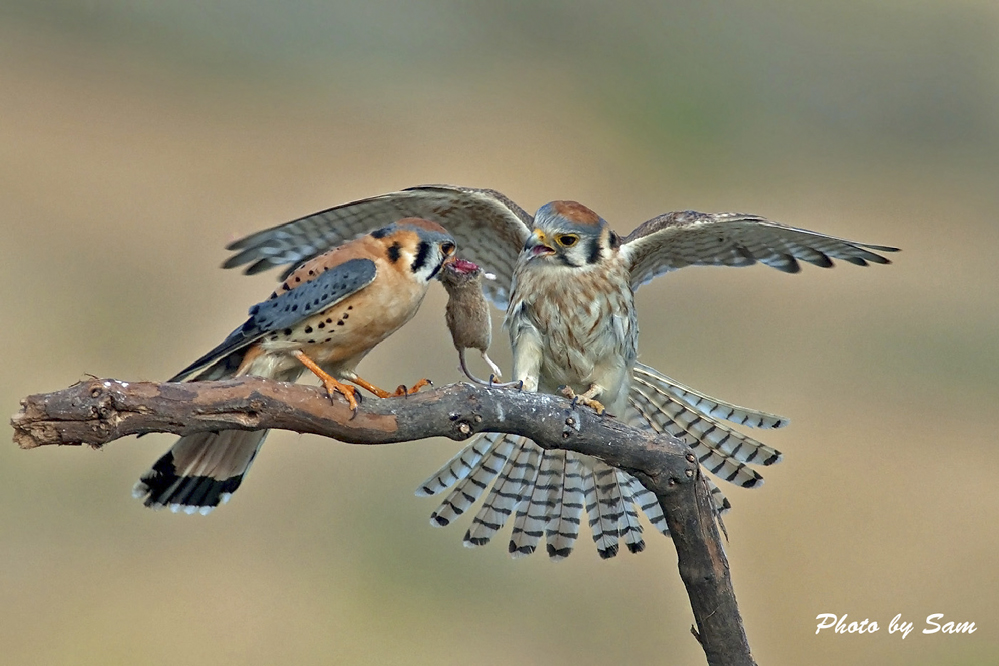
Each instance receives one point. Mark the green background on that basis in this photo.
(137, 138)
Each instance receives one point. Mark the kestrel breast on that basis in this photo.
(586, 318)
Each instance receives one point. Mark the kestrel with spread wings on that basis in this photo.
(566, 281)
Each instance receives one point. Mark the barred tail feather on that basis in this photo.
(647, 501)
(718, 498)
(698, 433)
(631, 529)
(509, 492)
(532, 517)
(705, 404)
(458, 467)
(563, 529)
(469, 489)
(660, 409)
(605, 506)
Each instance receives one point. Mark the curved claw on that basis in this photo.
(403, 391)
(582, 399)
(352, 395)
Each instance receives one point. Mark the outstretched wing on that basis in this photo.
(284, 311)
(689, 238)
(489, 229)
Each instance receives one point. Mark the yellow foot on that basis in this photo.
(583, 399)
(382, 393)
(346, 390)
(331, 384)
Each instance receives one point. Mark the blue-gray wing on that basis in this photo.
(289, 309)
(488, 228)
(689, 238)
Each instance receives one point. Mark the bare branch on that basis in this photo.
(101, 410)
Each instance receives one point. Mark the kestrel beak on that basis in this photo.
(537, 244)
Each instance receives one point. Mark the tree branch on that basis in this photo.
(99, 411)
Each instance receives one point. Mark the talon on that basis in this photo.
(403, 391)
(330, 383)
(349, 392)
(582, 399)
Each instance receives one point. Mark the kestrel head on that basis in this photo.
(417, 245)
(568, 233)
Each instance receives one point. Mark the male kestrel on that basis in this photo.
(567, 282)
(326, 316)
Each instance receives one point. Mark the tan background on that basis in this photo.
(137, 138)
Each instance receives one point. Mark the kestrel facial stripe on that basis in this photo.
(594, 253)
(422, 252)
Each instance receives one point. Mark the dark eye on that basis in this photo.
(447, 248)
(567, 240)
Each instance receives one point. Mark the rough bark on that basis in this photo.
(101, 410)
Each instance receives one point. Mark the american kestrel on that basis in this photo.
(567, 282)
(467, 313)
(326, 316)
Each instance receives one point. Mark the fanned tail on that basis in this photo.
(546, 492)
(705, 404)
(721, 450)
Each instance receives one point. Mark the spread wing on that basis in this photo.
(489, 229)
(291, 307)
(689, 238)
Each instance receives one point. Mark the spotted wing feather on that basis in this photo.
(489, 229)
(289, 308)
(689, 238)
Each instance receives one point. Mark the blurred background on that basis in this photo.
(137, 138)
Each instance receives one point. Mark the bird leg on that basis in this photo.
(382, 393)
(331, 384)
(585, 399)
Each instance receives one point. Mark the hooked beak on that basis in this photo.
(538, 245)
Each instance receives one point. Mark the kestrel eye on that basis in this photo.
(567, 240)
(447, 248)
